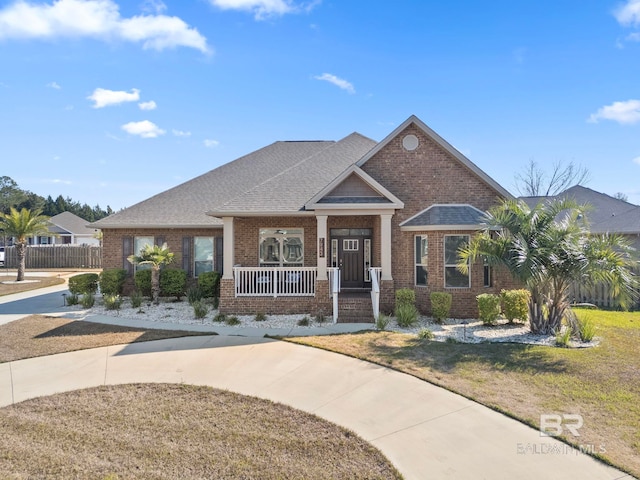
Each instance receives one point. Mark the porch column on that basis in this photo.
(228, 259)
(385, 246)
(322, 247)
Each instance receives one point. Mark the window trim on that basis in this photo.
(448, 265)
(137, 267)
(213, 254)
(416, 264)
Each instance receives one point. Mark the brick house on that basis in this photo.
(324, 226)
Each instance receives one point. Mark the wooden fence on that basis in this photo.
(599, 295)
(56, 256)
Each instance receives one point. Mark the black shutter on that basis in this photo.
(127, 250)
(187, 264)
(219, 252)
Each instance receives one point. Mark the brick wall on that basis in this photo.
(426, 176)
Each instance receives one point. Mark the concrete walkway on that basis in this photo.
(426, 431)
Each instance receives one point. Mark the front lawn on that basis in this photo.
(601, 383)
(30, 283)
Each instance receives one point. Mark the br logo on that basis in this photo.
(552, 425)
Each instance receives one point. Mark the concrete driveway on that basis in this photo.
(426, 431)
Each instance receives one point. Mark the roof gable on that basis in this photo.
(444, 145)
(353, 188)
(67, 222)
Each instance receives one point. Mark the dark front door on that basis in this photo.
(350, 253)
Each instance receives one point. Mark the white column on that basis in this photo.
(227, 241)
(321, 231)
(385, 246)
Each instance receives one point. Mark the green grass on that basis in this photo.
(601, 383)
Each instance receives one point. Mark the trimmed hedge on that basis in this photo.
(143, 282)
(209, 283)
(83, 283)
(440, 305)
(515, 304)
(405, 296)
(112, 281)
(488, 308)
(173, 283)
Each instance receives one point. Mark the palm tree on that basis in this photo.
(155, 256)
(549, 247)
(21, 225)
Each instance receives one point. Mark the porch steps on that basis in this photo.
(355, 308)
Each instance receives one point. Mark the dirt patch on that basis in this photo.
(30, 283)
(177, 431)
(39, 335)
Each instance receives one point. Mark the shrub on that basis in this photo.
(172, 283)
(515, 304)
(136, 299)
(209, 283)
(216, 302)
(194, 294)
(84, 283)
(304, 322)
(406, 315)
(143, 282)
(426, 334)
(220, 317)
(260, 317)
(583, 325)
(112, 302)
(440, 305)
(112, 280)
(232, 321)
(563, 337)
(320, 318)
(88, 300)
(200, 309)
(72, 299)
(382, 322)
(405, 296)
(488, 308)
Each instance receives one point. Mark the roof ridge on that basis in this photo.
(282, 172)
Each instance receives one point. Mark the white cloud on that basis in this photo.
(636, 160)
(263, 9)
(103, 97)
(211, 143)
(629, 13)
(144, 129)
(622, 112)
(96, 19)
(338, 82)
(180, 133)
(153, 6)
(150, 105)
(54, 85)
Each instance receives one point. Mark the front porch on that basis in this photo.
(290, 290)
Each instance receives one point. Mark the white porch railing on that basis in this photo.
(334, 289)
(376, 273)
(275, 281)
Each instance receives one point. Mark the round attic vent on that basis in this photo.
(410, 142)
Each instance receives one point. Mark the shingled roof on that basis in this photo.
(281, 176)
(450, 216)
(606, 215)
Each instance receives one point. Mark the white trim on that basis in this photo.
(385, 246)
(442, 143)
(313, 204)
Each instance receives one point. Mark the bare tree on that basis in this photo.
(535, 182)
(621, 196)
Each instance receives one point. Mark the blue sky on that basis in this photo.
(112, 101)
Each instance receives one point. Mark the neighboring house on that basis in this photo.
(281, 223)
(605, 214)
(67, 229)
